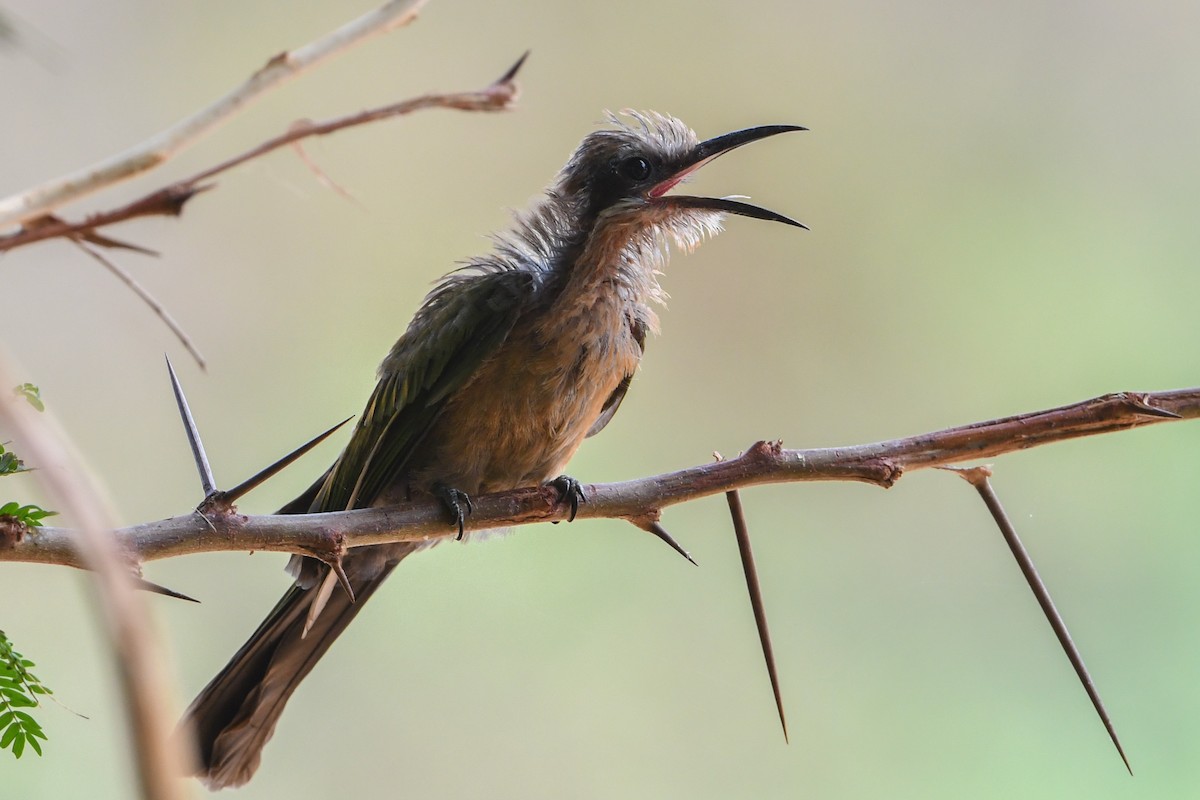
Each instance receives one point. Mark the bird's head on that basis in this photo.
(628, 170)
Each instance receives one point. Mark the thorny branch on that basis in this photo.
(171, 199)
(36, 203)
(327, 536)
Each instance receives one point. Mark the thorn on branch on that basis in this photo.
(167, 201)
(147, 586)
(228, 498)
(651, 525)
(742, 533)
(978, 477)
(90, 235)
(335, 564)
(207, 483)
(1140, 403)
(511, 74)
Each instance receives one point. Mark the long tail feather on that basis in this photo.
(234, 716)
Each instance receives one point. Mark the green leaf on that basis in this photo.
(17, 699)
(19, 688)
(9, 463)
(30, 515)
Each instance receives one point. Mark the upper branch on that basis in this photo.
(169, 200)
(20, 208)
(328, 535)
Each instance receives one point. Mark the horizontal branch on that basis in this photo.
(328, 535)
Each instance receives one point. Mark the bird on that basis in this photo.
(511, 361)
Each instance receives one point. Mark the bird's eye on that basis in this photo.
(635, 168)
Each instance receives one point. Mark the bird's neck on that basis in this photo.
(612, 255)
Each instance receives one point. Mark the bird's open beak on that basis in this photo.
(705, 152)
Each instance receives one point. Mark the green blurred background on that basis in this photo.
(1003, 205)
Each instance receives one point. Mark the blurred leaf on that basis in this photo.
(32, 394)
(18, 689)
(9, 463)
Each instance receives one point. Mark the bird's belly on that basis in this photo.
(524, 414)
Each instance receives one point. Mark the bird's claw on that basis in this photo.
(569, 491)
(458, 503)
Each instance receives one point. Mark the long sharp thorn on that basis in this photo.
(147, 586)
(978, 477)
(742, 533)
(266, 474)
(207, 483)
(661, 533)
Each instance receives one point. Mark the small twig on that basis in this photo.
(170, 200)
(28, 205)
(742, 533)
(322, 176)
(978, 477)
(146, 298)
(208, 483)
(138, 654)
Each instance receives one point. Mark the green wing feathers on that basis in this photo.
(460, 325)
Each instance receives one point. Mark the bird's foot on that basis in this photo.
(569, 491)
(456, 502)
